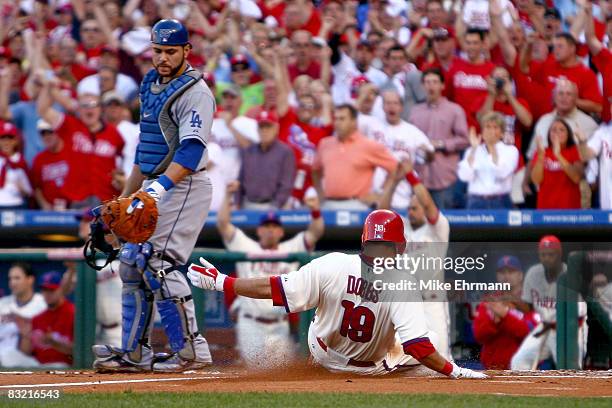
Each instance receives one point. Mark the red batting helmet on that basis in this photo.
(384, 226)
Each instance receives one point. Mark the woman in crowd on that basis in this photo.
(557, 170)
(488, 165)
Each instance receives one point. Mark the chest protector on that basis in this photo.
(159, 136)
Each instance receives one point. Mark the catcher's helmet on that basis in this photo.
(384, 226)
(169, 32)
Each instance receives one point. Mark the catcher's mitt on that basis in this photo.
(136, 227)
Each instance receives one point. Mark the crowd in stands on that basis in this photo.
(497, 103)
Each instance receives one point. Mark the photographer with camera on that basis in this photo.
(517, 116)
(500, 98)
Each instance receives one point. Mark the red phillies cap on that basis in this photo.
(239, 59)
(266, 117)
(549, 241)
(7, 128)
(356, 84)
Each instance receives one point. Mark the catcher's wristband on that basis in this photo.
(160, 186)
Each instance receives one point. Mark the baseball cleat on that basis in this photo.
(176, 364)
(119, 364)
(111, 359)
(102, 351)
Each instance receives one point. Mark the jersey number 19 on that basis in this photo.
(357, 322)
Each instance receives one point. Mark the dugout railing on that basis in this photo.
(85, 297)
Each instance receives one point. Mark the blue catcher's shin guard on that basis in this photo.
(137, 312)
(172, 317)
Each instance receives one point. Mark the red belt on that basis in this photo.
(264, 320)
(351, 361)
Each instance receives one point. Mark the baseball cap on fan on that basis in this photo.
(112, 96)
(266, 117)
(239, 59)
(50, 280)
(270, 218)
(7, 129)
(43, 126)
(232, 89)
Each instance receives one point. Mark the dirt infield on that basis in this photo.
(312, 379)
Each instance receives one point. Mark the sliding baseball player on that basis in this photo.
(354, 329)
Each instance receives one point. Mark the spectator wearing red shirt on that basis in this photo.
(300, 15)
(467, 79)
(51, 171)
(499, 325)
(601, 57)
(437, 19)
(272, 8)
(301, 42)
(96, 146)
(91, 44)
(558, 169)
(443, 47)
(565, 64)
(67, 60)
(270, 94)
(515, 111)
(297, 130)
(50, 337)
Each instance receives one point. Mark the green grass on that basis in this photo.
(289, 400)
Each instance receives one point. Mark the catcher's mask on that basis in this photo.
(96, 244)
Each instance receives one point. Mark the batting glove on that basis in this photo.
(460, 372)
(206, 276)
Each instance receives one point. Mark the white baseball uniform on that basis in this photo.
(108, 305)
(404, 142)
(543, 296)
(354, 329)
(264, 338)
(9, 333)
(221, 134)
(431, 239)
(601, 144)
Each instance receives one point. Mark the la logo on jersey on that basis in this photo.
(195, 119)
(379, 230)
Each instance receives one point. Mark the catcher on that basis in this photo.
(161, 212)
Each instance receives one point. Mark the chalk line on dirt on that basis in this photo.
(106, 382)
